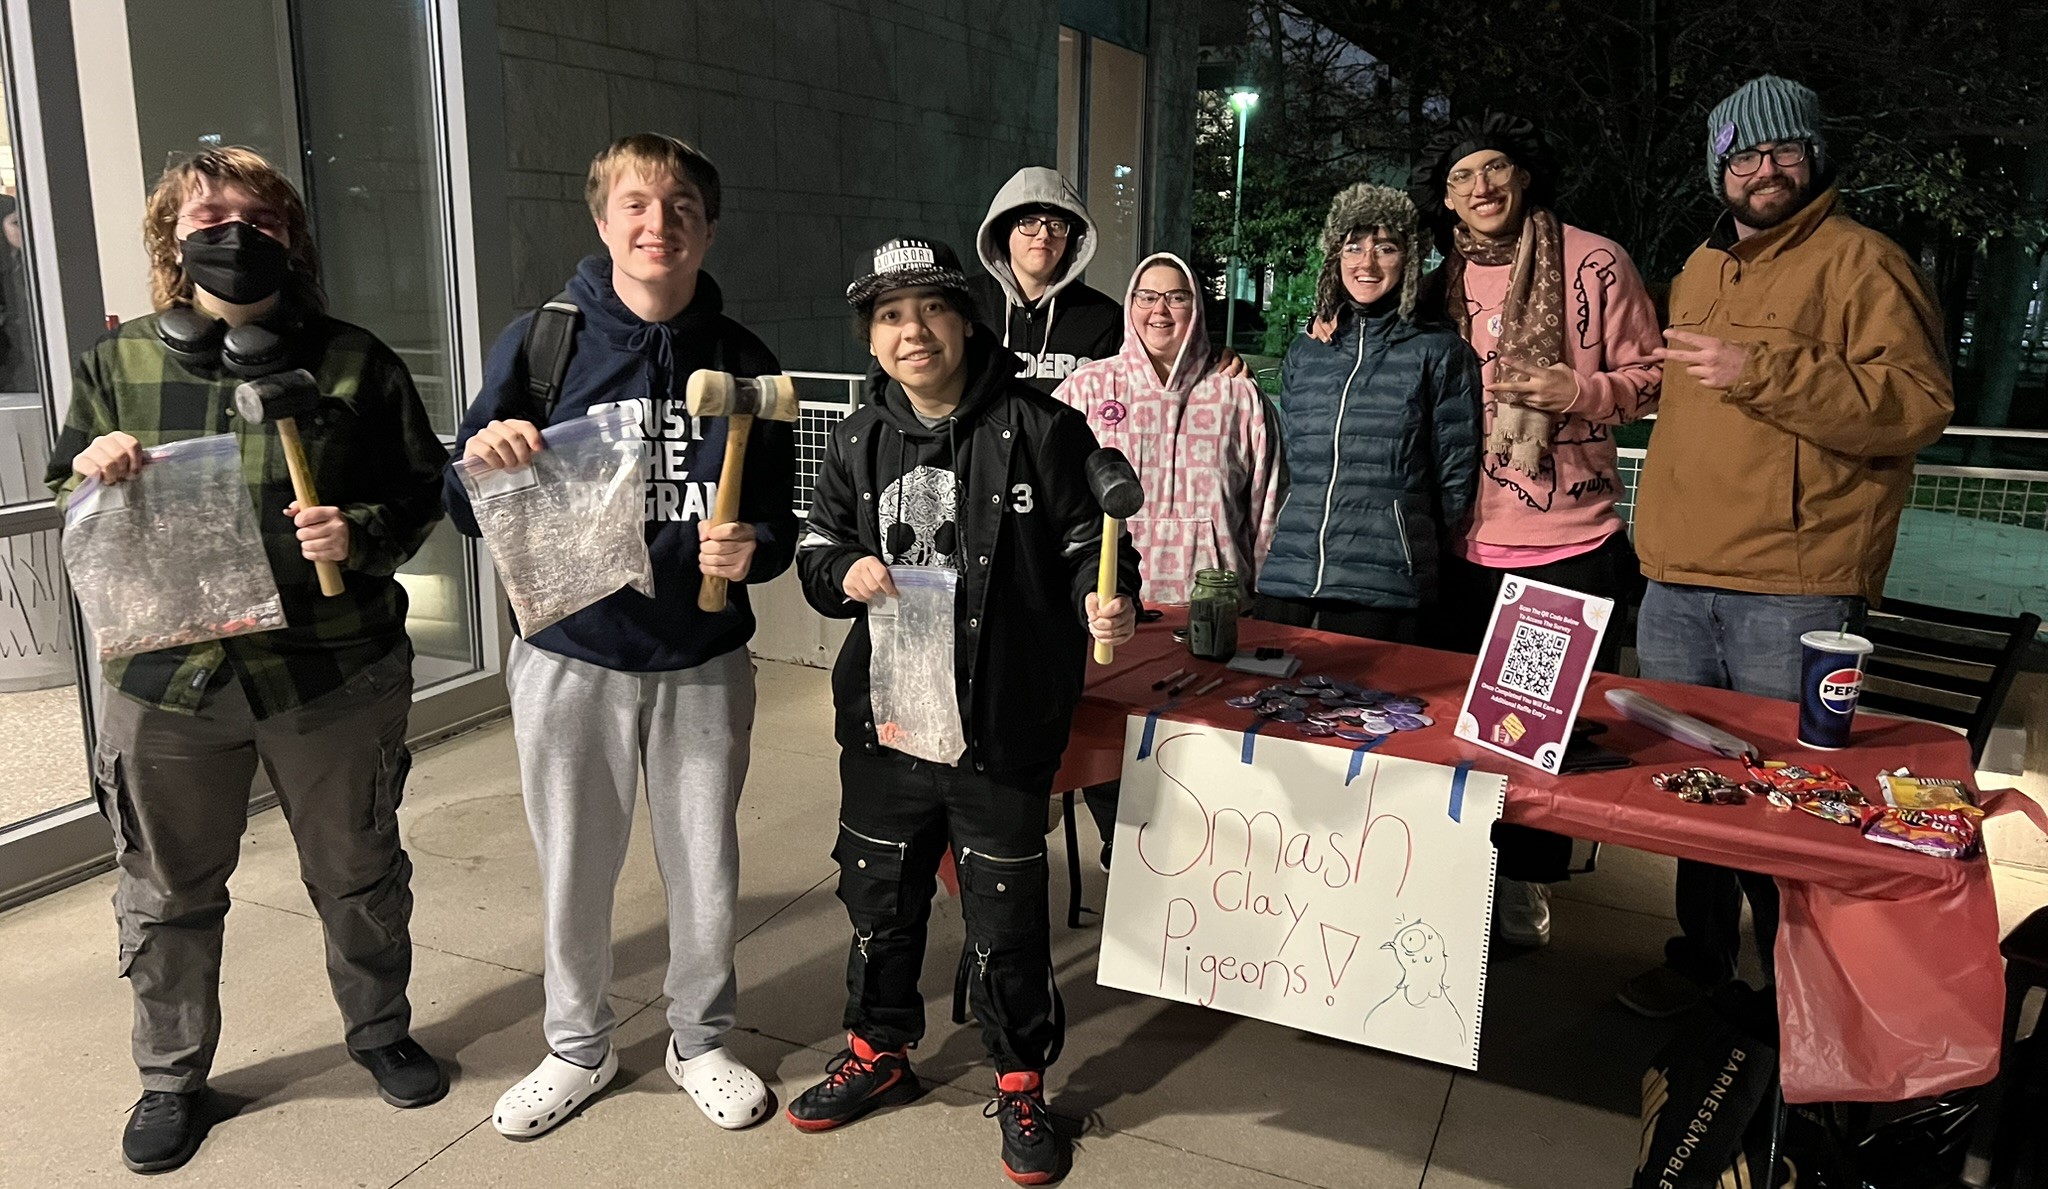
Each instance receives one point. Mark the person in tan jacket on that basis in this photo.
(1804, 368)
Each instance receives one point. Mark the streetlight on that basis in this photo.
(1242, 101)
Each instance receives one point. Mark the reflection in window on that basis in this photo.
(1116, 153)
(42, 765)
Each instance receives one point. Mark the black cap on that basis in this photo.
(907, 263)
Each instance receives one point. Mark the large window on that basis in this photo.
(351, 100)
(341, 95)
(1102, 149)
(42, 765)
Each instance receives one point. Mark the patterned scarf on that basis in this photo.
(1531, 325)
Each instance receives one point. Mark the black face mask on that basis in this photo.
(236, 263)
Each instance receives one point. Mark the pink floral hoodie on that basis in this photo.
(1203, 446)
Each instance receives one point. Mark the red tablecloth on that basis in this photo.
(1889, 979)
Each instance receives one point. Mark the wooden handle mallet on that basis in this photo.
(1116, 488)
(282, 399)
(740, 399)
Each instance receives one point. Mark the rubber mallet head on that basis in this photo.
(1115, 483)
(284, 396)
(722, 394)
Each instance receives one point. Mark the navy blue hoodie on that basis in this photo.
(618, 357)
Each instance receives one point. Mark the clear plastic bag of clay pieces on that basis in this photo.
(910, 670)
(568, 528)
(171, 555)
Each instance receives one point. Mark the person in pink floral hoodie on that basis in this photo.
(1200, 440)
(1203, 443)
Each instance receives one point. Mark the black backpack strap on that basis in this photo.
(544, 353)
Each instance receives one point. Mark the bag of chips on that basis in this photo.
(1932, 816)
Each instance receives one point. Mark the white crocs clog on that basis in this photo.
(550, 1094)
(729, 1094)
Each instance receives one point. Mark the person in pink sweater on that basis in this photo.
(1200, 439)
(1567, 337)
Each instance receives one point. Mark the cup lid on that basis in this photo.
(1834, 641)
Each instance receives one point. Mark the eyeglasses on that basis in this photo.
(1497, 171)
(1057, 228)
(1176, 299)
(1356, 248)
(1784, 156)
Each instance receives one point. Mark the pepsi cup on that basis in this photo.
(1830, 678)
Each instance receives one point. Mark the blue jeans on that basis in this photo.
(1727, 639)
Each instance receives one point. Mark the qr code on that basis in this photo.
(1535, 656)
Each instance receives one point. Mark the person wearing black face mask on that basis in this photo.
(235, 263)
(322, 702)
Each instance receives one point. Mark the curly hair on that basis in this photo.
(215, 169)
(1367, 208)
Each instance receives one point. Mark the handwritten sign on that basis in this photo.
(1532, 671)
(1313, 886)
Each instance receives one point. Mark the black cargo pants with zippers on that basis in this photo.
(897, 818)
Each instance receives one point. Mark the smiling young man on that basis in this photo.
(1805, 369)
(636, 686)
(321, 703)
(1566, 337)
(953, 462)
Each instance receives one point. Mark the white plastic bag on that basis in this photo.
(568, 529)
(910, 667)
(172, 555)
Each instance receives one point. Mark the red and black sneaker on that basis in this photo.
(857, 1081)
(1033, 1152)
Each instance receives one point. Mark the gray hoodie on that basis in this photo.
(1071, 324)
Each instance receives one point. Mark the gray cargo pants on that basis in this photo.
(175, 788)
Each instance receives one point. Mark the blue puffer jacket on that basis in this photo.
(1382, 434)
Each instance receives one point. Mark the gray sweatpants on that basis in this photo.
(585, 736)
(175, 788)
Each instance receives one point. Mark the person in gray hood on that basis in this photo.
(1035, 242)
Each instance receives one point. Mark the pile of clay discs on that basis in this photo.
(1320, 706)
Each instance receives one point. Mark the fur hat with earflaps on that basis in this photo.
(1364, 207)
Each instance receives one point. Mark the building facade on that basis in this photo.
(442, 147)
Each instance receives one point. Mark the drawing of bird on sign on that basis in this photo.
(1418, 1012)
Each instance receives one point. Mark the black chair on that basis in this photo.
(1950, 667)
(1999, 1126)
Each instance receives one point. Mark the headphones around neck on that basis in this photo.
(246, 351)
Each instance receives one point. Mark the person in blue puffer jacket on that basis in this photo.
(1381, 426)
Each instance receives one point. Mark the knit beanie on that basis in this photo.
(1763, 109)
(1363, 207)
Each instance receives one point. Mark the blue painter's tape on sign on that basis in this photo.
(1152, 724)
(1458, 792)
(1251, 733)
(1358, 756)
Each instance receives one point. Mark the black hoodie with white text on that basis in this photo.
(1070, 323)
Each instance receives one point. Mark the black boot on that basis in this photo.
(407, 1075)
(162, 1131)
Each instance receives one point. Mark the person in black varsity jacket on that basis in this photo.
(954, 462)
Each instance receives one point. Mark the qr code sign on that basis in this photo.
(1535, 657)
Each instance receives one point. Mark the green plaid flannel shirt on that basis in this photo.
(373, 454)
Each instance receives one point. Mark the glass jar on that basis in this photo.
(1212, 615)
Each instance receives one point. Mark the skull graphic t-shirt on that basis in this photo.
(920, 518)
